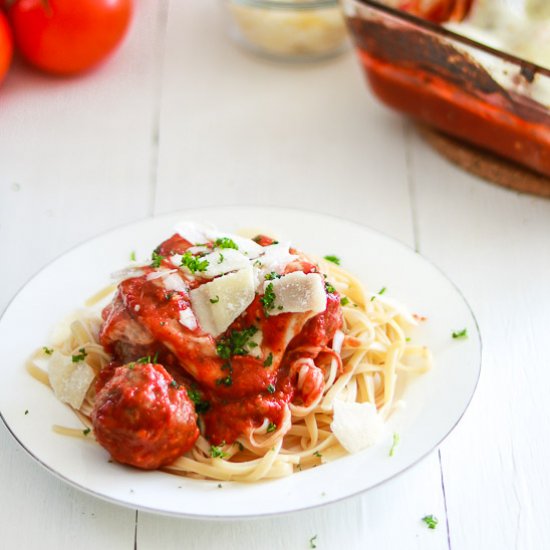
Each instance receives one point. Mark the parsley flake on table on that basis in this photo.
(133, 256)
(431, 521)
(395, 444)
(226, 242)
(80, 356)
(460, 334)
(47, 351)
(193, 264)
(333, 259)
(156, 259)
(313, 541)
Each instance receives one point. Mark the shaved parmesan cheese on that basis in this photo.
(218, 303)
(192, 232)
(224, 261)
(297, 293)
(127, 273)
(274, 260)
(246, 246)
(188, 319)
(176, 259)
(195, 250)
(337, 341)
(69, 381)
(356, 425)
(174, 282)
(159, 273)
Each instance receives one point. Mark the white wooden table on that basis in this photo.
(181, 118)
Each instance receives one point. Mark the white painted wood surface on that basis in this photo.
(181, 118)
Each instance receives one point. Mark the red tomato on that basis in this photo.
(68, 36)
(6, 46)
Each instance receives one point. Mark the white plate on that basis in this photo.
(435, 401)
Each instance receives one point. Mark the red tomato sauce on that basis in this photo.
(233, 393)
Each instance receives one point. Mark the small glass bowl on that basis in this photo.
(293, 30)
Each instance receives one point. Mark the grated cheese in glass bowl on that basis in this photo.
(294, 30)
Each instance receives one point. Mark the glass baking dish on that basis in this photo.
(463, 88)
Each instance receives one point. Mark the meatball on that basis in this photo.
(143, 418)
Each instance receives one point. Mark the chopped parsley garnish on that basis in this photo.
(26, 412)
(221, 258)
(396, 439)
(272, 275)
(344, 301)
(215, 300)
(271, 427)
(148, 359)
(86, 431)
(193, 264)
(407, 339)
(220, 485)
(200, 405)
(329, 288)
(226, 242)
(269, 360)
(227, 381)
(333, 259)
(217, 451)
(271, 388)
(431, 521)
(156, 259)
(173, 384)
(380, 292)
(317, 454)
(133, 256)
(80, 356)
(236, 342)
(313, 541)
(47, 351)
(268, 299)
(459, 334)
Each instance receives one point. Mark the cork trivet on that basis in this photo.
(486, 165)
